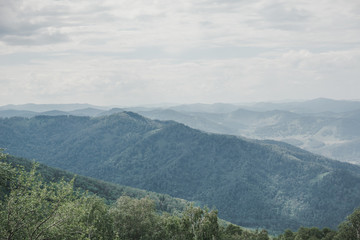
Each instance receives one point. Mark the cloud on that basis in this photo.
(111, 80)
(42, 38)
(136, 51)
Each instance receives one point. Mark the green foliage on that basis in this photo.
(200, 223)
(7, 173)
(313, 233)
(109, 191)
(135, 219)
(350, 229)
(34, 209)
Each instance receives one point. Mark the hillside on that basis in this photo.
(253, 183)
(109, 191)
(323, 126)
(334, 135)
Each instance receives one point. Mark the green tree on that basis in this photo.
(88, 218)
(135, 219)
(200, 224)
(350, 229)
(287, 235)
(32, 208)
(6, 172)
(172, 225)
(232, 232)
(262, 235)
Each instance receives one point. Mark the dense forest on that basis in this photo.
(256, 184)
(106, 190)
(34, 208)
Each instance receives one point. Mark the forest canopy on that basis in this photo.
(31, 208)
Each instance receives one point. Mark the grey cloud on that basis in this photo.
(280, 12)
(22, 24)
(281, 16)
(40, 39)
(17, 27)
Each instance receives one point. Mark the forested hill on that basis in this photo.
(108, 191)
(252, 183)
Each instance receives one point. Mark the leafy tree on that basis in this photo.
(262, 235)
(287, 235)
(350, 229)
(172, 226)
(88, 218)
(232, 232)
(6, 171)
(32, 208)
(200, 224)
(135, 218)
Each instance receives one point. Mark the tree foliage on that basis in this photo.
(35, 209)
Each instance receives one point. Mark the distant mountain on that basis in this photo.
(335, 135)
(111, 111)
(16, 113)
(323, 126)
(78, 112)
(311, 106)
(53, 113)
(49, 107)
(86, 112)
(253, 183)
(211, 108)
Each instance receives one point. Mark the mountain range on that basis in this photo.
(323, 126)
(253, 183)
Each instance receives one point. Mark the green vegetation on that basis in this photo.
(256, 184)
(32, 208)
(348, 230)
(108, 191)
(35, 209)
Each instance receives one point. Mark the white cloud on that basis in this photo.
(137, 51)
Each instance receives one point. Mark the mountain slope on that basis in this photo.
(252, 183)
(109, 191)
(334, 135)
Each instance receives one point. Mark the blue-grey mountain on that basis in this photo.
(253, 183)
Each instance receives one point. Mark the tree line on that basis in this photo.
(31, 208)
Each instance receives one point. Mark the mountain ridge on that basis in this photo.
(265, 184)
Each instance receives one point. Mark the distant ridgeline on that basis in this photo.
(323, 126)
(258, 184)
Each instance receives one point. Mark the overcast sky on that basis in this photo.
(131, 52)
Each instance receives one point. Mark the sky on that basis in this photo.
(140, 52)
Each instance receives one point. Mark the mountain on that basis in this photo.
(310, 106)
(323, 126)
(335, 135)
(77, 112)
(16, 113)
(49, 107)
(211, 108)
(253, 183)
(86, 112)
